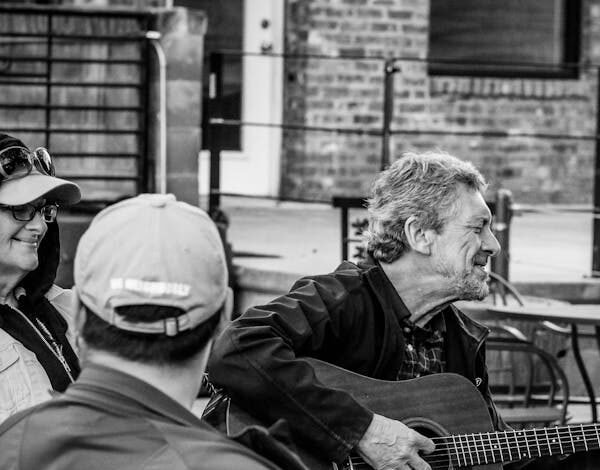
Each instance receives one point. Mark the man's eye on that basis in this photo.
(477, 229)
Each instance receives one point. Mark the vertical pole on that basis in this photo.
(596, 222)
(388, 110)
(502, 217)
(344, 221)
(145, 181)
(49, 54)
(215, 118)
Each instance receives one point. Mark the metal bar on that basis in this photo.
(69, 60)
(47, 113)
(388, 112)
(502, 218)
(499, 134)
(72, 131)
(540, 65)
(236, 122)
(74, 84)
(71, 107)
(344, 232)
(215, 114)
(379, 132)
(70, 11)
(275, 198)
(94, 155)
(596, 219)
(101, 177)
(143, 165)
(589, 387)
(26, 75)
(78, 37)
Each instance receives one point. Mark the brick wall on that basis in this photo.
(347, 92)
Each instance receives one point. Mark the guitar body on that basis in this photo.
(435, 405)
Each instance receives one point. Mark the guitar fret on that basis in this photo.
(528, 452)
(537, 443)
(463, 448)
(456, 449)
(453, 459)
(497, 446)
(559, 440)
(483, 449)
(508, 445)
(548, 441)
(500, 447)
(469, 449)
(476, 449)
(572, 441)
(584, 438)
(520, 453)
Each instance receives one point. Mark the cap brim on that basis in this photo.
(36, 185)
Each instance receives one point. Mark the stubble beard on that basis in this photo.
(470, 287)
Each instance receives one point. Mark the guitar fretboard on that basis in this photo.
(505, 446)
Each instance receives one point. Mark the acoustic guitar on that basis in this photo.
(448, 409)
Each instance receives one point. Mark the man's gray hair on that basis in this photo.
(421, 185)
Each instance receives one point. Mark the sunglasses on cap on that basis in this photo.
(16, 162)
(26, 212)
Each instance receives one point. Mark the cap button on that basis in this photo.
(158, 200)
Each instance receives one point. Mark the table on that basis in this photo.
(574, 315)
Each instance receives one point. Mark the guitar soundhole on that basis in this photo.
(439, 459)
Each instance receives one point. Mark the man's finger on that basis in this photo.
(424, 443)
(417, 463)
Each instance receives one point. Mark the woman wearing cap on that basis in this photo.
(35, 355)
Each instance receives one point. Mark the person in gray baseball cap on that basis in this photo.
(36, 356)
(151, 293)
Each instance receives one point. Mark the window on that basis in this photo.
(224, 32)
(524, 38)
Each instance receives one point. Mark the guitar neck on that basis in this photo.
(507, 446)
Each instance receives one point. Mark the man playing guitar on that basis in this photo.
(392, 318)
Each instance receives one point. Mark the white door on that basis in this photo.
(255, 168)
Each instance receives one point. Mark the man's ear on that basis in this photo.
(78, 320)
(418, 238)
(79, 313)
(226, 311)
(228, 306)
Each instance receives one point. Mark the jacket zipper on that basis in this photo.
(56, 354)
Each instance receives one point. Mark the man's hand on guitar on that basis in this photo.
(390, 445)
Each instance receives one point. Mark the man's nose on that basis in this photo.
(491, 244)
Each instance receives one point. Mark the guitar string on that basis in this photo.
(518, 436)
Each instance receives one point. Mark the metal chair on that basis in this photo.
(528, 383)
(525, 401)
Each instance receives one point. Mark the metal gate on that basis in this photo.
(75, 81)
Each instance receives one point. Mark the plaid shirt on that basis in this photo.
(424, 350)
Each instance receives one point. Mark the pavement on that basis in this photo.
(546, 243)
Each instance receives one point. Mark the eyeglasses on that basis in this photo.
(27, 212)
(16, 162)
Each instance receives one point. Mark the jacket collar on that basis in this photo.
(118, 391)
(389, 298)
